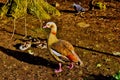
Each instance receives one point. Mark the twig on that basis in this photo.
(41, 22)
(13, 29)
(25, 28)
(25, 21)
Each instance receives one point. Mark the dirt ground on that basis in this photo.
(94, 44)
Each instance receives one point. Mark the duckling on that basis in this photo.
(25, 45)
(41, 44)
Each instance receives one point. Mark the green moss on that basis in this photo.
(100, 5)
(3, 10)
(19, 8)
(38, 8)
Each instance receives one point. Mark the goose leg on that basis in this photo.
(60, 68)
(71, 65)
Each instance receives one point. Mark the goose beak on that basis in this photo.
(45, 27)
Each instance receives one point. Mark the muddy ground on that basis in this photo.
(94, 44)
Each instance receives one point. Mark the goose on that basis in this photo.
(25, 45)
(61, 50)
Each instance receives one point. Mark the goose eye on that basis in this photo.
(48, 24)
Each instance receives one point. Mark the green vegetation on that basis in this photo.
(100, 5)
(117, 76)
(38, 8)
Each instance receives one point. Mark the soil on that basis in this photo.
(95, 44)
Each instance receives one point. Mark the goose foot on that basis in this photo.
(71, 66)
(60, 69)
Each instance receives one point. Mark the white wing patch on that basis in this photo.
(60, 56)
(56, 53)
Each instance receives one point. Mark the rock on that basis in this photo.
(116, 53)
(83, 24)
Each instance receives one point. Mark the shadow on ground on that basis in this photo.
(93, 50)
(99, 77)
(67, 11)
(25, 57)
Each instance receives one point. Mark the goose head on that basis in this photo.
(49, 25)
(52, 26)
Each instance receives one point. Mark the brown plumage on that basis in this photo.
(3, 1)
(61, 50)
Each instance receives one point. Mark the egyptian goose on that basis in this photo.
(61, 50)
